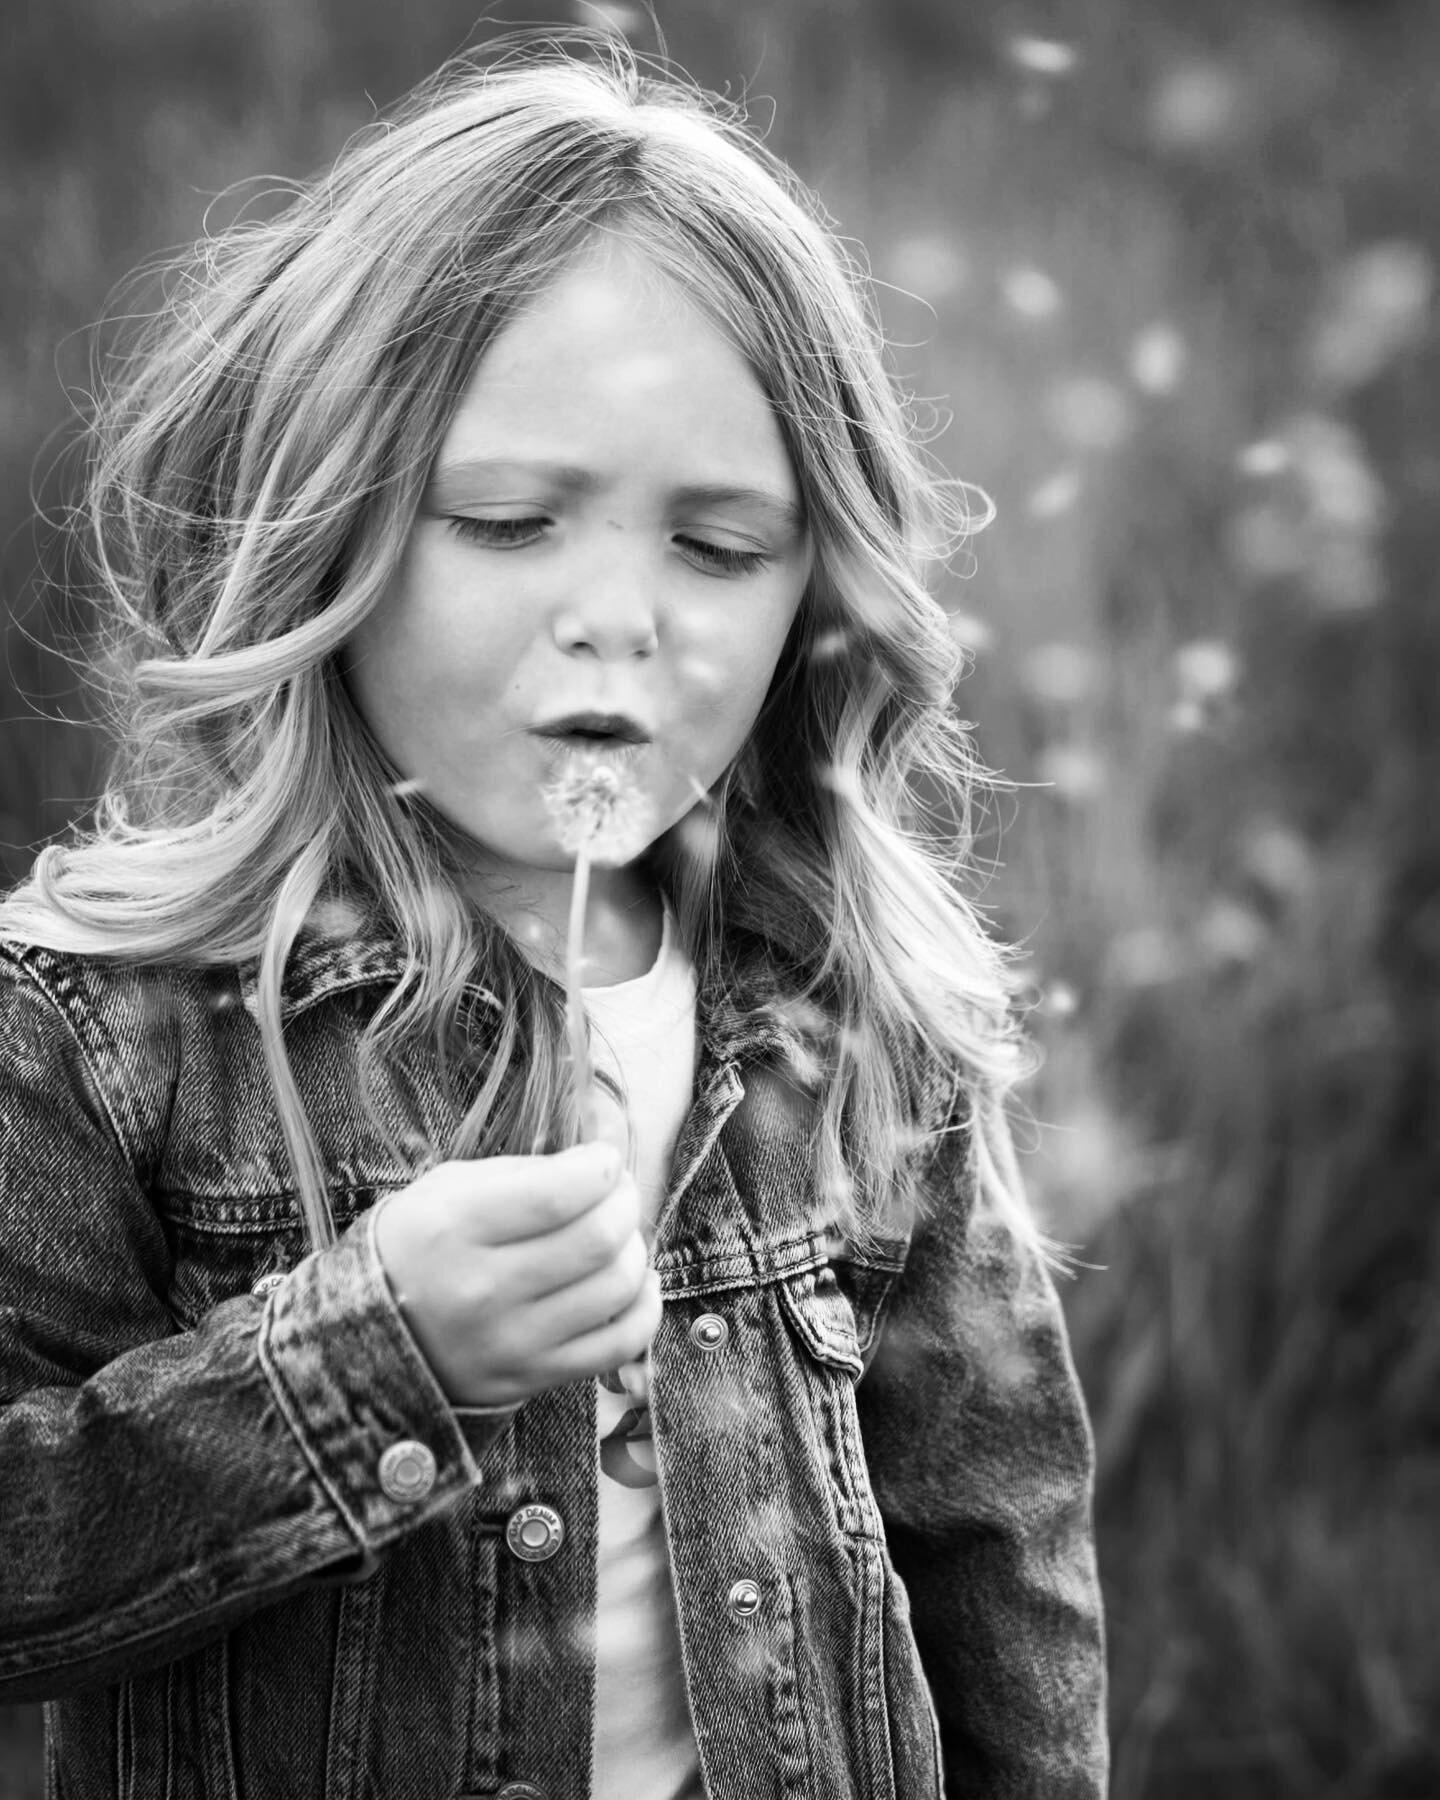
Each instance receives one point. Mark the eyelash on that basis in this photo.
(513, 534)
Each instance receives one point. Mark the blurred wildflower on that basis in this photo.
(1145, 956)
(1278, 860)
(697, 837)
(607, 15)
(335, 918)
(1231, 934)
(1376, 307)
(1058, 1000)
(1089, 413)
(929, 265)
(1196, 105)
(1055, 495)
(1267, 456)
(1072, 772)
(1157, 359)
(1042, 56)
(1061, 674)
(1031, 293)
(1206, 669)
(971, 633)
(402, 790)
(830, 644)
(1321, 522)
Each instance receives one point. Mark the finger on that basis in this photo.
(584, 1247)
(620, 1340)
(571, 1312)
(509, 1198)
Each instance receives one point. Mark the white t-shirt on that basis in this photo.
(642, 1034)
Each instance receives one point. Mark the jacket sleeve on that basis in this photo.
(156, 1485)
(982, 1462)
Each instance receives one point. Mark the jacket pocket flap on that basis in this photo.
(823, 1319)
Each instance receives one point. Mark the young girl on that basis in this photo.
(363, 1433)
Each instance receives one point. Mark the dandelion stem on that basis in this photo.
(581, 1073)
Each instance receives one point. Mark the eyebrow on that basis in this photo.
(447, 485)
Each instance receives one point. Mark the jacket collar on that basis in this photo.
(750, 1014)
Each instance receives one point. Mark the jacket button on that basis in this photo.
(407, 1470)
(534, 1533)
(710, 1332)
(745, 1599)
(521, 1790)
(267, 1284)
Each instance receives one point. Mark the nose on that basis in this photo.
(611, 611)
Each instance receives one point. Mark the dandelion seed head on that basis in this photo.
(1059, 1000)
(830, 644)
(594, 803)
(404, 790)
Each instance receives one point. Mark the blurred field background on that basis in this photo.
(1166, 272)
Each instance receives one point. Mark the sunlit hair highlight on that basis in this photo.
(259, 457)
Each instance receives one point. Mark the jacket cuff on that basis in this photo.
(374, 1423)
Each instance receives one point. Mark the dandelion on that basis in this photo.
(1058, 1000)
(406, 789)
(830, 644)
(599, 817)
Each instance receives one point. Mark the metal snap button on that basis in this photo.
(521, 1790)
(745, 1599)
(710, 1332)
(407, 1470)
(534, 1533)
(267, 1284)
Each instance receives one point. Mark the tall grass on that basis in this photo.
(1170, 268)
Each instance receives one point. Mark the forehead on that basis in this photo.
(615, 359)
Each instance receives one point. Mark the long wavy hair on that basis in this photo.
(257, 460)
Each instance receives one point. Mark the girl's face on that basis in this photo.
(607, 560)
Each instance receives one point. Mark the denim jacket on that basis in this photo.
(249, 1551)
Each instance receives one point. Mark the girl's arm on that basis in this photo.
(982, 1463)
(156, 1486)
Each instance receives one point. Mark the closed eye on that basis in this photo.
(722, 558)
(499, 534)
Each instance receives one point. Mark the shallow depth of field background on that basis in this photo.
(1163, 275)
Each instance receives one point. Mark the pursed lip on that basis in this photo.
(600, 726)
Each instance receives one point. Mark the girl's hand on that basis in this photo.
(519, 1273)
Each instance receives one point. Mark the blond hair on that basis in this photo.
(259, 458)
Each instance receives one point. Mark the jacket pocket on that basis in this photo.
(822, 1324)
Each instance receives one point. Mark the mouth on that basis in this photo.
(595, 730)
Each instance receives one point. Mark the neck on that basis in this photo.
(623, 919)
